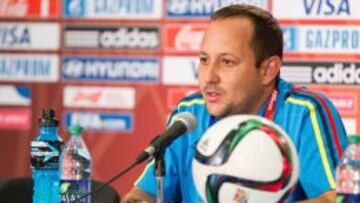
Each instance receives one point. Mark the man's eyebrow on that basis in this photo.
(226, 54)
(203, 53)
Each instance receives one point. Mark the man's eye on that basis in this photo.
(203, 60)
(227, 62)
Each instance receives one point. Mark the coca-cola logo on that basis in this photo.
(343, 102)
(13, 8)
(189, 38)
(29, 8)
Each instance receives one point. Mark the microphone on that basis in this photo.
(184, 123)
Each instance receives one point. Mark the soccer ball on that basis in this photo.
(245, 158)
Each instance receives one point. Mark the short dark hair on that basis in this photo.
(267, 39)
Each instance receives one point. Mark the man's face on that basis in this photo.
(229, 81)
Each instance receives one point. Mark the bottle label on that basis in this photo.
(71, 190)
(45, 154)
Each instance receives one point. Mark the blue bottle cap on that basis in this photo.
(48, 118)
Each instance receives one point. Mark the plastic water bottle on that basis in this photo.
(348, 173)
(75, 164)
(45, 153)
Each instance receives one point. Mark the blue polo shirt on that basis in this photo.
(310, 120)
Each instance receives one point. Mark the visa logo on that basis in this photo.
(194, 68)
(327, 7)
(14, 35)
(180, 70)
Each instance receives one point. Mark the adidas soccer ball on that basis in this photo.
(245, 158)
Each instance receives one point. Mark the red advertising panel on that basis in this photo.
(15, 118)
(29, 8)
(184, 38)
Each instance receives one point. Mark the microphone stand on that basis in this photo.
(159, 173)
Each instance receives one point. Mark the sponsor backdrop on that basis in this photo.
(118, 67)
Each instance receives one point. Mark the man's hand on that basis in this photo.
(326, 197)
(136, 195)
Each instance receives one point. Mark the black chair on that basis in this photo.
(20, 190)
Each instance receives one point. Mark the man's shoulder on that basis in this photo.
(194, 100)
(194, 104)
(301, 97)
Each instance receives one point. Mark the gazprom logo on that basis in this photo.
(114, 9)
(29, 67)
(204, 8)
(74, 7)
(290, 38)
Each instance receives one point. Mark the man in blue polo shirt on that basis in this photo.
(240, 60)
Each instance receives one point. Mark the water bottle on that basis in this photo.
(348, 173)
(44, 158)
(75, 168)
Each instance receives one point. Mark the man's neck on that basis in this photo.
(264, 98)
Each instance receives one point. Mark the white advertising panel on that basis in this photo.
(29, 67)
(204, 8)
(180, 70)
(322, 39)
(37, 36)
(350, 125)
(12, 95)
(316, 9)
(99, 97)
(114, 9)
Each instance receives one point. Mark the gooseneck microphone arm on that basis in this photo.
(184, 122)
(159, 174)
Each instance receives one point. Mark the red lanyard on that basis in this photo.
(270, 109)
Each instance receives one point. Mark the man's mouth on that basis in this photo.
(212, 96)
(212, 93)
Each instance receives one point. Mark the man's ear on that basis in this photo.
(270, 69)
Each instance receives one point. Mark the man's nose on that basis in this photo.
(212, 74)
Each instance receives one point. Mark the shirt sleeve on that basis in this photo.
(322, 141)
